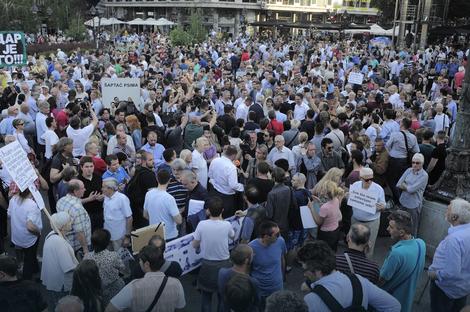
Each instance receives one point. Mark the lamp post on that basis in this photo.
(94, 12)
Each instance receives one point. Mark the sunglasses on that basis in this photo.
(367, 180)
(415, 162)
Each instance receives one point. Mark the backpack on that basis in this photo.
(334, 305)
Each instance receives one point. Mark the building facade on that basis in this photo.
(230, 16)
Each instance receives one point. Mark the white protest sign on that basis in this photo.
(182, 251)
(15, 159)
(120, 89)
(362, 199)
(355, 78)
(307, 219)
(195, 206)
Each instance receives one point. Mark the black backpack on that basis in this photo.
(334, 305)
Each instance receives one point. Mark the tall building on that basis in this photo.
(229, 16)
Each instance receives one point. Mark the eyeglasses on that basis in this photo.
(416, 163)
(367, 180)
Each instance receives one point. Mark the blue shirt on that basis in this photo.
(402, 269)
(267, 265)
(120, 175)
(452, 262)
(388, 128)
(339, 285)
(416, 183)
(157, 152)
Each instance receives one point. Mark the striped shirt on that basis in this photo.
(361, 265)
(178, 191)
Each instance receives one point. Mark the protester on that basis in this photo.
(404, 264)
(449, 270)
(87, 286)
(322, 279)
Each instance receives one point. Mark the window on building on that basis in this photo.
(250, 1)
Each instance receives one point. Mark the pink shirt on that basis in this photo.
(332, 215)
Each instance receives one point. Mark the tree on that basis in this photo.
(76, 29)
(180, 37)
(197, 31)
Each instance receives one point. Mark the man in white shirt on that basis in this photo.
(41, 127)
(372, 220)
(243, 109)
(159, 206)
(280, 151)
(223, 175)
(300, 109)
(442, 120)
(117, 212)
(50, 137)
(79, 135)
(199, 164)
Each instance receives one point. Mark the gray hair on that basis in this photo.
(63, 142)
(43, 104)
(178, 164)
(301, 177)
(461, 208)
(111, 183)
(190, 175)
(285, 301)
(88, 145)
(69, 303)
(185, 153)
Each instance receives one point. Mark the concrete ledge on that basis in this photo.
(433, 226)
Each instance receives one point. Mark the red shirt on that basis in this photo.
(276, 126)
(245, 56)
(62, 120)
(458, 79)
(100, 165)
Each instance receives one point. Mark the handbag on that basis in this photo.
(158, 295)
(409, 155)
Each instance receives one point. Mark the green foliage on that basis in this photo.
(197, 31)
(180, 37)
(76, 29)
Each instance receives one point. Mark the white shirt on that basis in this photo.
(242, 112)
(22, 140)
(285, 153)
(41, 127)
(57, 259)
(21, 211)
(116, 211)
(396, 101)
(223, 176)
(162, 207)
(200, 166)
(362, 215)
(300, 111)
(113, 142)
(442, 122)
(214, 237)
(80, 138)
(51, 139)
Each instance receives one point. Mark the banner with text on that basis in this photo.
(362, 199)
(12, 49)
(120, 89)
(16, 161)
(182, 251)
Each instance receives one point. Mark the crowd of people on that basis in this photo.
(259, 129)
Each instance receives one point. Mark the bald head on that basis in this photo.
(358, 235)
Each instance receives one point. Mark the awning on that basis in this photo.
(319, 26)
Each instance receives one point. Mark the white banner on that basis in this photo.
(16, 161)
(120, 89)
(355, 78)
(182, 251)
(362, 199)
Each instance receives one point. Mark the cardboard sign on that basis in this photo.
(120, 89)
(12, 49)
(140, 238)
(16, 161)
(307, 219)
(182, 251)
(356, 78)
(362, 199)
(195, 206)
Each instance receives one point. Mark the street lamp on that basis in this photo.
(94, 12)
